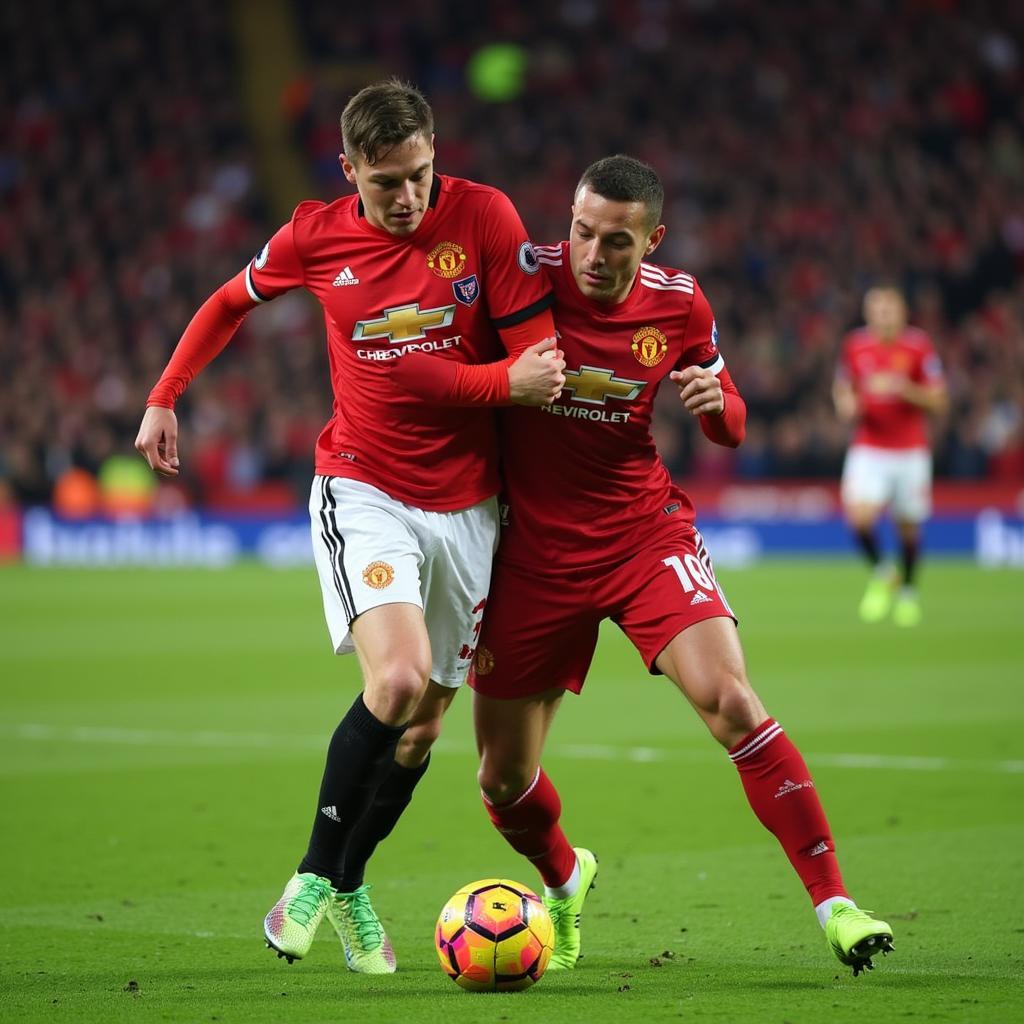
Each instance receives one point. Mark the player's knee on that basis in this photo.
(738, 709)
(501, 784)
(395, 691)
(417, 740)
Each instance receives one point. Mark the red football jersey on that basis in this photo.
(583, 476)
(875, 369)
(467, 270)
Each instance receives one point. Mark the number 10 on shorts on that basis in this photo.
(690, 570)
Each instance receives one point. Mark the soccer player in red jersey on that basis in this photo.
(889, 379)
(403, 509)
(597, 530)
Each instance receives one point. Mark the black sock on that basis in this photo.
(393, 796)
(868, 544)
(909, 551)
(360, 753)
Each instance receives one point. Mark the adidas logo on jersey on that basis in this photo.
(345, 277)
(700, 598)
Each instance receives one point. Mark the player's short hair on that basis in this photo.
(626, 180)
(383, 116)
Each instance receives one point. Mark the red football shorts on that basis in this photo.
(540, 628)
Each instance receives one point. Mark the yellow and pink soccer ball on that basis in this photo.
(494, 935)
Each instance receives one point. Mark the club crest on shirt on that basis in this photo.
(649, 346)
(483, 662)
(467, 291)
(446, 259)
(378, 575)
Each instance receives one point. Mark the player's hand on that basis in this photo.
(537, 377)
(158, 440)
(700, 391)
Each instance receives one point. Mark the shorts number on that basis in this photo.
(690, 570)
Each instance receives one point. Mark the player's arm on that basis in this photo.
(531, 374)
(928, 395)
(275, 270)
(210, 330)
(705, 386)
(844, 398)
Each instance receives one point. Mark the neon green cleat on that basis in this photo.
(906, 610)
(565, 914)
(855, 937)
(367, 949)
(877, 599)
(291, 925)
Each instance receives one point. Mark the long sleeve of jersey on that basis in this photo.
(730, 427)
(209, 331)
(444, 382)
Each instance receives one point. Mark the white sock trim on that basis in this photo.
(824, 908)
(569, 888)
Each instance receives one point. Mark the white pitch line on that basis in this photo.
(119, 736)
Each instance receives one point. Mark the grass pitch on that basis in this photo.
(163, 737)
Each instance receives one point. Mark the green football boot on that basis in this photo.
(367, 948)
(291, 925)
(565, 915)
(855, 937)
(906, 609)
(877, 599)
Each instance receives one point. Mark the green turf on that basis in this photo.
(163, 736)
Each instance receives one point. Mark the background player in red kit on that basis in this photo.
(889, 379)
(596, 529)
(403, 508)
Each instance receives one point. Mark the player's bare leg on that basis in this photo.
(394, 653)
(524, 806)
(706, 663)
(877, 600)
(906, 610)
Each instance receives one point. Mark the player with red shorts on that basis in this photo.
(402, 508)
(597, 530)
(889, 379)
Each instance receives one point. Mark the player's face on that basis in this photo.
(396, 189)
(607, 240)
(885, 312)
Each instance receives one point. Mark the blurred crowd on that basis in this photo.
(807, 151)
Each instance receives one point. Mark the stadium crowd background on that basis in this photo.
(807, 150)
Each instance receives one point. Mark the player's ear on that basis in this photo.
(347, 168)
(654, 240)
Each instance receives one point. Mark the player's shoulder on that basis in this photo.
(858, 338)
(313, 210)
(668, 284)
(915, 338)
(470, 194)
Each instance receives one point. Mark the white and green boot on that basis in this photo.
(565, 915)
(291, 925)
(367, 947)
(855, 936)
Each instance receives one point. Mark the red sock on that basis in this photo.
(530, 826)
(782, 795)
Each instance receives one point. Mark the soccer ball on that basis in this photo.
(494, 935)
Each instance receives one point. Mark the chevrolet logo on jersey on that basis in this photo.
(592, 384)
(404, 323)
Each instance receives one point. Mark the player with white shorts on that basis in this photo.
(372, 550)
(889, 378)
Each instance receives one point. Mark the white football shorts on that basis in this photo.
(900, 478)
(372, 550)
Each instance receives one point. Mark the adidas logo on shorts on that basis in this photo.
(700, 598)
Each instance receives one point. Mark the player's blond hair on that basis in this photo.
(383, 116)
